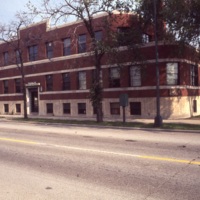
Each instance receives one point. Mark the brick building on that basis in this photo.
(59, 69)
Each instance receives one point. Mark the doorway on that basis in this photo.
(34, 100)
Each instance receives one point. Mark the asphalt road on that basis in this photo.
(50, 162)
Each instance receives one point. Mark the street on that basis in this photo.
(52, 161)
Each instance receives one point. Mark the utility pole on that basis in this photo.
(158, 118)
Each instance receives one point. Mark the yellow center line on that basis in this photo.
(104, 152)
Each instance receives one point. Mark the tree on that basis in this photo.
(10, 34)
(85, 10)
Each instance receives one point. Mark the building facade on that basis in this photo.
(59, 67)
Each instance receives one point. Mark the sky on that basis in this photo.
(9, 8)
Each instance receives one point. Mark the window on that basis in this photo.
(194, 105)
(66, 46)
(82, 80)
(49, 50)
(94, 76)
(82, 43)
(81, 108)
(17, 54)
(49, 107)
(49, 82)
(114, 77)
(6, 108)
(124, 36)
(145, 38)
(194, 75)
(5, 86)
(66, 108)
(172, 74)
(6, 58)
(66, 81)
(135, 108)
(114, 109)
(135, 76)
(98, 36)
(18, 108)
(18, 85)
(95, 109)
(33, 53)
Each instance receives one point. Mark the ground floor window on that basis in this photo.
(6, 108)
(18, 108)
(194, 105)
(114, 108)
(49, 107)
(81, 108)
(66, 108)
(135, 108)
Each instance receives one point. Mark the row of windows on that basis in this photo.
(67, 45)
(17, 108)
(135, 77)
(135, 108)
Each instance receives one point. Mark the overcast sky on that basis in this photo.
(8, 9)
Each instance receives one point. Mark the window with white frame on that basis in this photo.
(172, 73)
(135, 76)
(114, 77)
(82, 43)
(82, 80)
(67, 46)
(194, 75)
(49, 50)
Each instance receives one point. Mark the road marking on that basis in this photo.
(192, 162)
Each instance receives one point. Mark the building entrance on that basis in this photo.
(34, 100)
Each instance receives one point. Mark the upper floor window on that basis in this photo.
(49, 50)
(82, 80)
(135, 76)
(5, 86)
(17, 54)
(49, 82)
(98, 35)
(6, 58)
(33, 53)
(67, 46)
(18, 85)
(115, 77)
(194, 75)
(172, 74)
(66, 81)
(145, 38)
(124, 35)
(82, 43)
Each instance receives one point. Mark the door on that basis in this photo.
(34, 100)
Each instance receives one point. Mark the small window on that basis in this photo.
(114, 77)
(18, 108)
(95, 109)
(98, 35)
(66, 81)
(49, 107)
(114, 109)
(18, 85)
(81, 108)
(124, 36)
(5, 86)
(82, 80)
(6, 108)
(6, 58)
(135, 108)
(33, 53)
(49, 82)
(17, 54)
(135, 76)
(172, 74)
(67, 47)
(145, 38)
(49, 50)
(194, 75)
(82, 43)
(66, 108)
(195, 106)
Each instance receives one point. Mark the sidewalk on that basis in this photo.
(147, 121)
